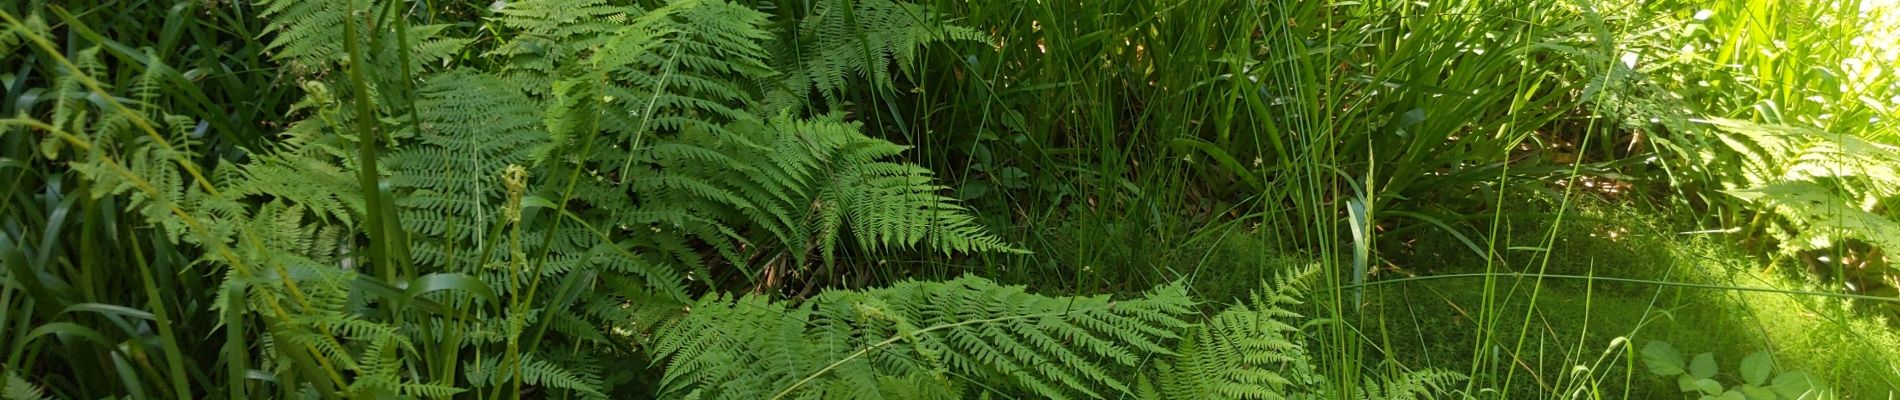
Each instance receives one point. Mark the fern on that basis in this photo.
(474, 125)
(17, 388)
(1253, 350)
(1819, 216)
(823, 176)
(915, 336)
(669, 83)
(535, 371)
(838, 40)
(1248, 351)
(1826, 187)
(1426, 384)
(572, 197)
(308, 36)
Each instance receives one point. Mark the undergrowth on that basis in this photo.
(946, 199)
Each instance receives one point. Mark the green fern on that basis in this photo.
(571, 197)
(1825, 187)
(838, 40)
(490, 373)
(17, 388)
(1425, 384)
(925, 336)
(308, 36)
(1248, 351)
(670, 83)
(828, 173)
(474, 125)
(1254, 350)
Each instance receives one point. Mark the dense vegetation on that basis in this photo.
(952, 199)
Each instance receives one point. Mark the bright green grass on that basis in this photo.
(1431, 323)
(1574, 322)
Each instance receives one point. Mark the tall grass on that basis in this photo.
(1349, 130)
(95, 302)
(1342, 132)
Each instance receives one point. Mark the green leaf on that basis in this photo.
(1662, 359)
(110, 310)
(1793, 384)
(1709, 386)
(1703, 366)
(449, 281)
(1013, 178)
(1752, 392)
(1816, 206)
(973, 190)
(1756, 368)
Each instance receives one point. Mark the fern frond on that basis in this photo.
(474, 125)
(534, 371)
(308, 35)
(1254, 350)
(1824, 186)
(839, 40)
(1819, 214)
(18, 388)
(847, 344)
(833, 170)
(1248, 351)
(1426, 384)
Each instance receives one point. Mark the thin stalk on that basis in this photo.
(174, 356)
(367, 136)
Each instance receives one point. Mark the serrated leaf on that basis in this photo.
(1703, 366)
(1662, 359)
(1756, 368)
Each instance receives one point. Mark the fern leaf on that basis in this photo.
(847, 344)
(18, 388)
(839, 40)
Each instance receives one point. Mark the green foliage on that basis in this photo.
(388, 199)
(1254, 350)
(17, 388)
(1699, 376)
(1250, 350)
(837, 40)
(917, 340)
(1826, 186)
(509, 269)
(475, 125)
(309, 38)
(824, 171)
(957, 338)
(1780, 106)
